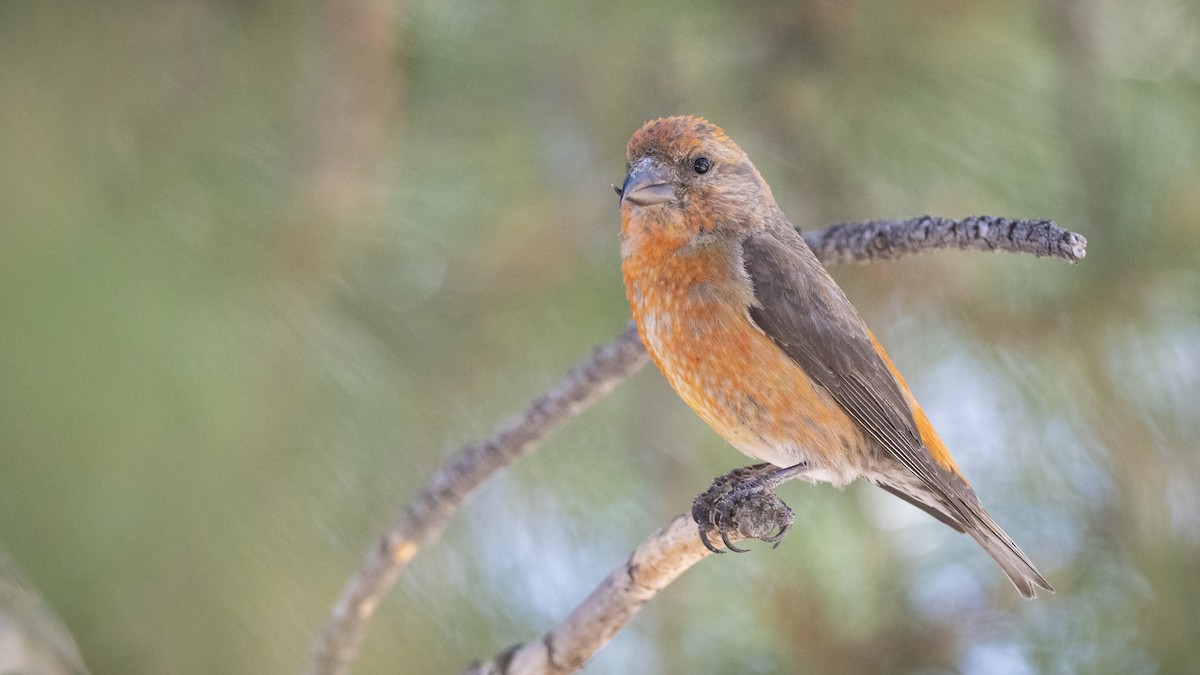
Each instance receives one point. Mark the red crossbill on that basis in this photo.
(756, 337)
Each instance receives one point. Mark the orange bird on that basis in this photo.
(756, 337)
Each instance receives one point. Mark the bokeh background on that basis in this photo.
(264, 264)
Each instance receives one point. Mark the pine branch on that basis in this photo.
(651, 567)
(890, 239)
(589, 381)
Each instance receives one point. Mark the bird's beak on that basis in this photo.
(648, 183)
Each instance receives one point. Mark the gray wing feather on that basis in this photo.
(804, 312)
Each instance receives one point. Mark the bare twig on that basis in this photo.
(891, 239)
(657, 562)
(653, 565)
(336, 646)
(586, 383)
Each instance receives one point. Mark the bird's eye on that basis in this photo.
(701, 165)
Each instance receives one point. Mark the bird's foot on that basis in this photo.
(743, 504)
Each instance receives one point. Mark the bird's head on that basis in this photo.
(686, 177)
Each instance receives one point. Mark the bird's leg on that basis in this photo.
(743, 502)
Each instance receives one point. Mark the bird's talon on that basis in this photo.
(776, 539)
(730, 546)
(707, 544)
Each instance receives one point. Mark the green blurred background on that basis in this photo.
(265, 264)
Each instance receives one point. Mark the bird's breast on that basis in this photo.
(691, 307)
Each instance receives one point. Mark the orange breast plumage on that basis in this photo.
(691, 307)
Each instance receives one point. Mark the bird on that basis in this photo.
(756, 337)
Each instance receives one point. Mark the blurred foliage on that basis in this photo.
(264, 266)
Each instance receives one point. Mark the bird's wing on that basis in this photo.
(798, 306)
(804, 312)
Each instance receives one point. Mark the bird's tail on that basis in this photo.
(963, 512)
(1005, 552)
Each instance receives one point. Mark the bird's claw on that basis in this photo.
(729, 546)
(704, 536)
(785, 524)
(739, 505)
